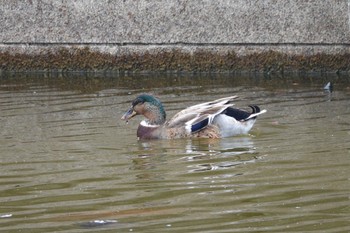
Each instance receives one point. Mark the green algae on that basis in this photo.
(72, 59)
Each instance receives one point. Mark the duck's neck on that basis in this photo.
(155, 115)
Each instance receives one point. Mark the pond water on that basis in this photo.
(69, 164)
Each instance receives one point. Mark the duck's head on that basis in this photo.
(149, 106)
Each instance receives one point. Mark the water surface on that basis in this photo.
(69, 164)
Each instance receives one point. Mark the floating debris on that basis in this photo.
(328, 87)
(6, 216)
(97, 223)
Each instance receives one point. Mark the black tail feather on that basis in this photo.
(241, 115)
(236, 113)
(255, 109)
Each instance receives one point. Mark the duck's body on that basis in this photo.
(215, 119)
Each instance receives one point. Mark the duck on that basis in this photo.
(214, 119)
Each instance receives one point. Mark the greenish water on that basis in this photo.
(67, 160)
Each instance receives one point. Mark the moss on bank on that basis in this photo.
(173, 60)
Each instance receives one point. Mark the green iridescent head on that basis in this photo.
(149, 106)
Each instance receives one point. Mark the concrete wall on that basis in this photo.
(298, 27)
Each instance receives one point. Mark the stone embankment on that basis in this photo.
(248, 35)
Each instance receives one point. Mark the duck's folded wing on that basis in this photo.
(198, 108)
(218, 102)
(196, 119)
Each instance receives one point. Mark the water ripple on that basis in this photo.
(68, 164)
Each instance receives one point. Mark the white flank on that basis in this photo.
(229, 126)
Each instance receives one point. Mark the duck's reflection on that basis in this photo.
(197, 154)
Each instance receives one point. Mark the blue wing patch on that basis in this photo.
(199, 125)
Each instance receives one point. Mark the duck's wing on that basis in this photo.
(199, 116)
(204, 106)
(197, 119)
(218, 102)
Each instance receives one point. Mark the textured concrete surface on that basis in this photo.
(169, 21)
(122, 27)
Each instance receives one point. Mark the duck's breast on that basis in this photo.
(148, 132)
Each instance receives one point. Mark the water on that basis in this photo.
(69, 164)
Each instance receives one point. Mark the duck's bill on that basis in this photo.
(128, 115)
